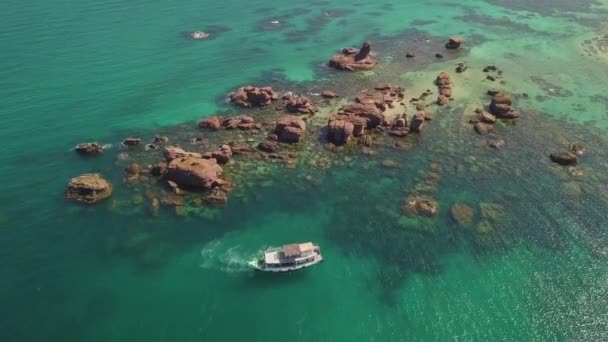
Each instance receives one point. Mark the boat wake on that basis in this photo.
(215, 255)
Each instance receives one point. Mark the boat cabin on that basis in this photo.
(292, 255)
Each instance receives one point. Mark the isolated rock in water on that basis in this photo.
(444, 85)
(299, 104)
(340, 131)
(199, 35)
(195, 173)
(88, 188)
(214, 123)
(290, 129)
(461, 67)
(501, 106)
(89, 148)
(420, 205)
(131, 142)
(461, 214)
(564, 158)
(251, 96)
(172, 152)
(328, 94)
(483, 128)
(454, 43)
(349, 61)
(417, 122)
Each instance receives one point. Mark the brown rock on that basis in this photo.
(417, 122)
(159, 169)
(483, 128)
(251, 96)
(501, 106)
(349, 61)
(487, 117)
(564, 158)
(420, 205)
(171, 152)
(195, 173)
(214, 123)
(454, 43)
(133, 169)
(340, 131)
(89, 148)
(328, 94)
(131, 142)
(222, 155)
(290, 129)
(88, 188)
(268, 146)
(299, 104)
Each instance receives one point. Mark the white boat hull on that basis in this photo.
(260, 267)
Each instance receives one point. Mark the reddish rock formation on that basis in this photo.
(417, 121)
(88, 188)
(340, 131)
(444, 84)
(171, 152)
(222, 155)
(268, 146)
(290, 129)
(350, 59)
(214, 123)
(241, 122)
(501, 106)
(328, 94)
(190, 172)
(487, 117)
(299, 104)
(454, 43)
(399, 127)
(89, 148)
(251, 96)
(159, 169)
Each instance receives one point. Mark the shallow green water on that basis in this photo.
(73, 72)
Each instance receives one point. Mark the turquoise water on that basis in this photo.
(73, 72)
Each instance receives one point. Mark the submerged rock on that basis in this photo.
(131, 142)
(564, 158)
(461, 213)
(483, 128)
(420, 205)
(461, 67)
(88, 188)
(250, 96)
(89, 148)
(351, 60)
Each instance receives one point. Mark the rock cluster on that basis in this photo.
(399, 128)
(444, 84)
(88, 188)
(290, 129)
(501, 106)
(454, 43)
(299, 104)
(420, 201)
(251, 96)
(243, 122)
(367, 113)
(89, 148)
(352, 59)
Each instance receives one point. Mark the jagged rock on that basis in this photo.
(88, 188)
(214, 123)
(328, 94)
(299, 104)
(131, 142)
(564, 158)
(417, 122)
(399, 127)
(251, 96)
(160, 139)
(159, 169)
(223, 154)
(243, 122)
(89, 148)
(349, 61)
(366, 140)
(340, 131)
(268, 146)
(444, 84)
(487, 117)
(195, 173)
(501, 106)
(461, 213)
(454, 43)
(290, 129)
(171, 152)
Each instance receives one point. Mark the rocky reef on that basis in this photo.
(351, 59)
(88, 188)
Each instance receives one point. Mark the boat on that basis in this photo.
(290, 257)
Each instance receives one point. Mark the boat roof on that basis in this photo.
(296, 249)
